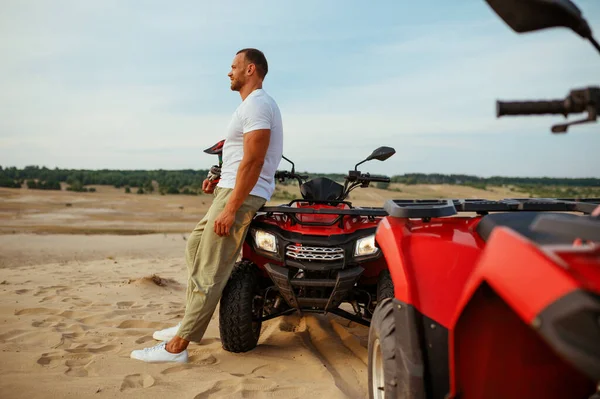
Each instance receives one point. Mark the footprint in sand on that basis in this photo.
(76, 367)
(76, 363)
(144, 339)
(47, 298)
(247, 387)
(36, 311)
(52, 321)
(140, 324)
(23, 291)
(125, 304)
(134, 381)
(102, 349)
(203, 360)
(177, 369)
(267, 370)
(10, 335)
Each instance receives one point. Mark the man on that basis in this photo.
(252, 152)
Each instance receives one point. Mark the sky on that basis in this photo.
(122, 84)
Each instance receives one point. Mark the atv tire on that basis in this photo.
(385, 286)
(240, 312)
(382, 353)
(387, 378)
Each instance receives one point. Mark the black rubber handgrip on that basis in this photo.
(531, 107)
(383, 179)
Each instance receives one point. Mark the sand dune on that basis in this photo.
(77, 297)
(67, 328)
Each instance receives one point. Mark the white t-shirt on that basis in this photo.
(257, 111)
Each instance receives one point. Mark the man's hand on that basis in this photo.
(223, 222)
(208, 186)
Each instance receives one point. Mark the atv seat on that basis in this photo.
(520, 222)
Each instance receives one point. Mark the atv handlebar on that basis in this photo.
(355, 176)
(532, 107)
(578, 101)
(382, 179)
(284, 174)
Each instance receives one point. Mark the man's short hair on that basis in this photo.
(257, 58)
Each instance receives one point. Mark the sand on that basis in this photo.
(85, 278)
(73, 307)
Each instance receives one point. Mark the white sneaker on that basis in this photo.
(158, 354)
(167, 334)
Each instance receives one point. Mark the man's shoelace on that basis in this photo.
(155, 348)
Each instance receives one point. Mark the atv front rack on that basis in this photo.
(435, 208)
(292, 212)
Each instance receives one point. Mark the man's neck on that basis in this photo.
(247, 89)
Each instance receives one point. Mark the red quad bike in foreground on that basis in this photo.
(307, 256)
(504, 304)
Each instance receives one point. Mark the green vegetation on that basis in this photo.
(77, 186)
(540, 191)
(42, 185)
(189, 182)
(168, 181)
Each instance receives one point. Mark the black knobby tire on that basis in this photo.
(385, 286)
(238, 312)
(382, 346)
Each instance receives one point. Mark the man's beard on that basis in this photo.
(236, 85)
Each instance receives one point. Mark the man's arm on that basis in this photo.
(256, 144)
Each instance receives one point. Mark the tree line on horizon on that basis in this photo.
(189, 181)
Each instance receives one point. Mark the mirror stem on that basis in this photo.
(356, 167)
(293, 170)
(594, 43)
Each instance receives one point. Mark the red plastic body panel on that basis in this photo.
(350, 225)
(430, 261)
(526, 279)
(523, 275)
(442, 266)
(499, 356)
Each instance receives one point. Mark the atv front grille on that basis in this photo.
(323, 254)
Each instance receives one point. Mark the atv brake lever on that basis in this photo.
(563, 127)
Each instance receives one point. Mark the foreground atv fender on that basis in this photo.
(239, 313)
(394, 344)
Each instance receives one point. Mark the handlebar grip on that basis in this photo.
(382, 179)
(531, 107)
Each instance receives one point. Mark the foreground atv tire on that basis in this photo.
(239, 309)
(385, 286)
(390, 377)
(382, 352)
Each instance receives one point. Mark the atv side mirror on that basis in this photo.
(531, 15)
(382, 153)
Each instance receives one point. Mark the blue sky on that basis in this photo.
(113, 84)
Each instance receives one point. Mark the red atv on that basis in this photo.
(501, 304)
(307, 256)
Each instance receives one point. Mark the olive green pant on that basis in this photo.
(210, 259)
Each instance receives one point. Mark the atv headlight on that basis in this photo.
(366, 246)
(265, 241)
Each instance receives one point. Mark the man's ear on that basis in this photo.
(250, 69)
